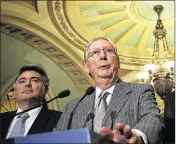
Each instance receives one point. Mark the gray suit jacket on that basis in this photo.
(133, 104)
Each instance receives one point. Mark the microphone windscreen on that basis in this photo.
(63, 94)
(90, 90)
(113, 114)
(90, 116)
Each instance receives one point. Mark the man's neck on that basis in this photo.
(105, 83)
(27, 105)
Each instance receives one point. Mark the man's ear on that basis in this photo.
(118, 61)
(46, 91)
(118, 64)
(86, 68)
(14, 89)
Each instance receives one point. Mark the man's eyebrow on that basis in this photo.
(30, 78)
(21, 78)
(36, 77)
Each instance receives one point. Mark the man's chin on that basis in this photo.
(105, 75)
(29, 97)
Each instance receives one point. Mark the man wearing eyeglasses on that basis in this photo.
(31, 85)
(131, 113)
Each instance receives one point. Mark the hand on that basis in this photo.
(121, 134)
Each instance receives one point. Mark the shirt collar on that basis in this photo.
(30, 113)
(98, 90)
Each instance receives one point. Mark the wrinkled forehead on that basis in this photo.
(99, 44)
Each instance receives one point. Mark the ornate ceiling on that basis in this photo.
(59, 30)
(129, 24)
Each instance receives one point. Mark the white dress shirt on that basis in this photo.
(110, 90)
(29, 121)
(98, 92)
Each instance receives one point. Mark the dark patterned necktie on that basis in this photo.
(100, 110)
(19, 127)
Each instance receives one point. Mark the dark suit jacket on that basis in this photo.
(169, 119)
(133, 104)
(45, 122)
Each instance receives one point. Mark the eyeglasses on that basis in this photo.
(96, 53)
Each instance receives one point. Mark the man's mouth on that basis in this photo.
(27, 91)
(104, 67)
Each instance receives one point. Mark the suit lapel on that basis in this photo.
(87, 106)
(6, 122)
(119, 98)
(40, 122)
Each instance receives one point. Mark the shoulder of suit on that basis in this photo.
(53, 113)
(73, 102)
(139, 85)
(7, 115)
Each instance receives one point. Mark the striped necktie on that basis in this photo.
(19, 127)
(100, 110)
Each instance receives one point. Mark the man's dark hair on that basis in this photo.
(37, 68)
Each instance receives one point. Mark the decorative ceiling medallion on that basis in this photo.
(59, 19)
(143, 11)
(129, 24)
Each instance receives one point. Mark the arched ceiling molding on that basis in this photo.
(59, 19)
(59, 53)
(121, 24)
(35, 28)
(32, 4)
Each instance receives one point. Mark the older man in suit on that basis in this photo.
(131, 112)
(30, 87)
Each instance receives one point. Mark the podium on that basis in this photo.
(69, 136)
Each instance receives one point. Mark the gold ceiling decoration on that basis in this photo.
(62, 28)
(161, 71)
(129, 24)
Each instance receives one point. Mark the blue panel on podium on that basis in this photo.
(68, 136)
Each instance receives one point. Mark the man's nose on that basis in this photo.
(28, 84)
(102, 54)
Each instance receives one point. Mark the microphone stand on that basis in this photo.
(35, 106)
(90, 116)
(89, 91)
(62, 94)
(113, 114)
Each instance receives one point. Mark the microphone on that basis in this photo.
(113, 114)
(90, 116)
(89, 91)
(62, 94)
